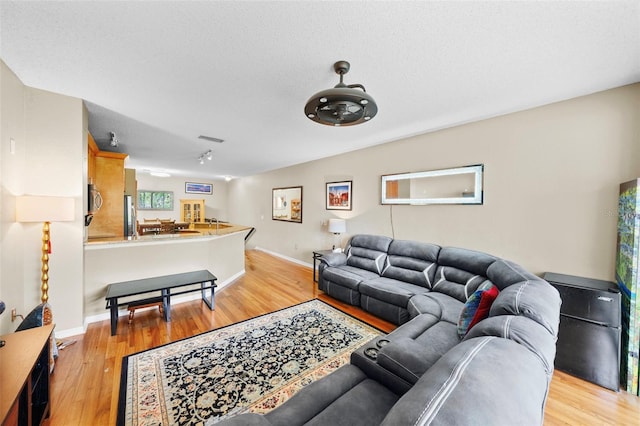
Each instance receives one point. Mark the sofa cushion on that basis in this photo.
(463, 388)
(460, 272)
(391, 291)
(521, 330)
(345, 396)
(535, 299)
(477, 307)
(368, 252)
(416, 346)
(347, 276)
(504, 273)
(438, 305)
(412, 262)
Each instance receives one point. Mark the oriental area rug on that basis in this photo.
(251, 366)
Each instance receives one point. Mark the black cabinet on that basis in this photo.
(589, 335)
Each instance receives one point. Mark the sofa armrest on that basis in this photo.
(404, 357)
(481, 381)
(334, 259)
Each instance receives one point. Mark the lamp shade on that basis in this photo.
(337, 226)
(35, 208)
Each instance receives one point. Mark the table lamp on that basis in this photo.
(337, 227)
(31, 208)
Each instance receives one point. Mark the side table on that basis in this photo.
(317, 254)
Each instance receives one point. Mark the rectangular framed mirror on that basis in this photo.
(461, 185)
(287, 204)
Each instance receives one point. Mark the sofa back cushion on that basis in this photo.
(412, 262)
(504, 273)
(460, 272)
(368, 252)
(521, 330)
(535, 299)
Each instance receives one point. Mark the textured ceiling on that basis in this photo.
(159, 74)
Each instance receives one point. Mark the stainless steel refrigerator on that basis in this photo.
(129, 216)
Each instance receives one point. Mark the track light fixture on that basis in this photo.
(208, 155)
(344, 105)
(113, 141)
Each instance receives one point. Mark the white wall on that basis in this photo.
(215, 204)
(12, 126)
(48, 160)
(551, 183)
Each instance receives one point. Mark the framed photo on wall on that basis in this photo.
(339, 195)
(198, 188)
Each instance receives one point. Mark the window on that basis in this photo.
(155, 200)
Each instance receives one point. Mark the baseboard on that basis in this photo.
(282, 256)
(123, 312)
(69, 332)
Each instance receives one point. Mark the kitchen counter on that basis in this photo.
(201, 230)
(113, 260)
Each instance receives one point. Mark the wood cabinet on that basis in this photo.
(106, 171)
(192, 211)
(24, 377)
(92, 151)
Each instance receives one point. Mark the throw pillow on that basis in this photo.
(477, 307)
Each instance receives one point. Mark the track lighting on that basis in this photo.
(114, 141)
(208, 155)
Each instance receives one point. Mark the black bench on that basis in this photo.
(164, 284)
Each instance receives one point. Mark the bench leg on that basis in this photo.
(113, 309)
(211, 300)
(166, 304)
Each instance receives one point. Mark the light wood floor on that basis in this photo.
(86, 379)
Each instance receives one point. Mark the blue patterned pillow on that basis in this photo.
(477, 307)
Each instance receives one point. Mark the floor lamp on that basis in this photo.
(30, 208)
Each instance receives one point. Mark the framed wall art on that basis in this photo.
(198, 188)
(339, 195)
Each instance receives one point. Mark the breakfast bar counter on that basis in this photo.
(199, 231)
(113, 260)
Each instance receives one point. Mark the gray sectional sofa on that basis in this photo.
(433, 369)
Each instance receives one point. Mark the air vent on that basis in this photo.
(211, 139)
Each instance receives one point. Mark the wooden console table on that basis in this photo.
(164, 284)
(24, 377)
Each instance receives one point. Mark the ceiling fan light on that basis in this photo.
(342, 105)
